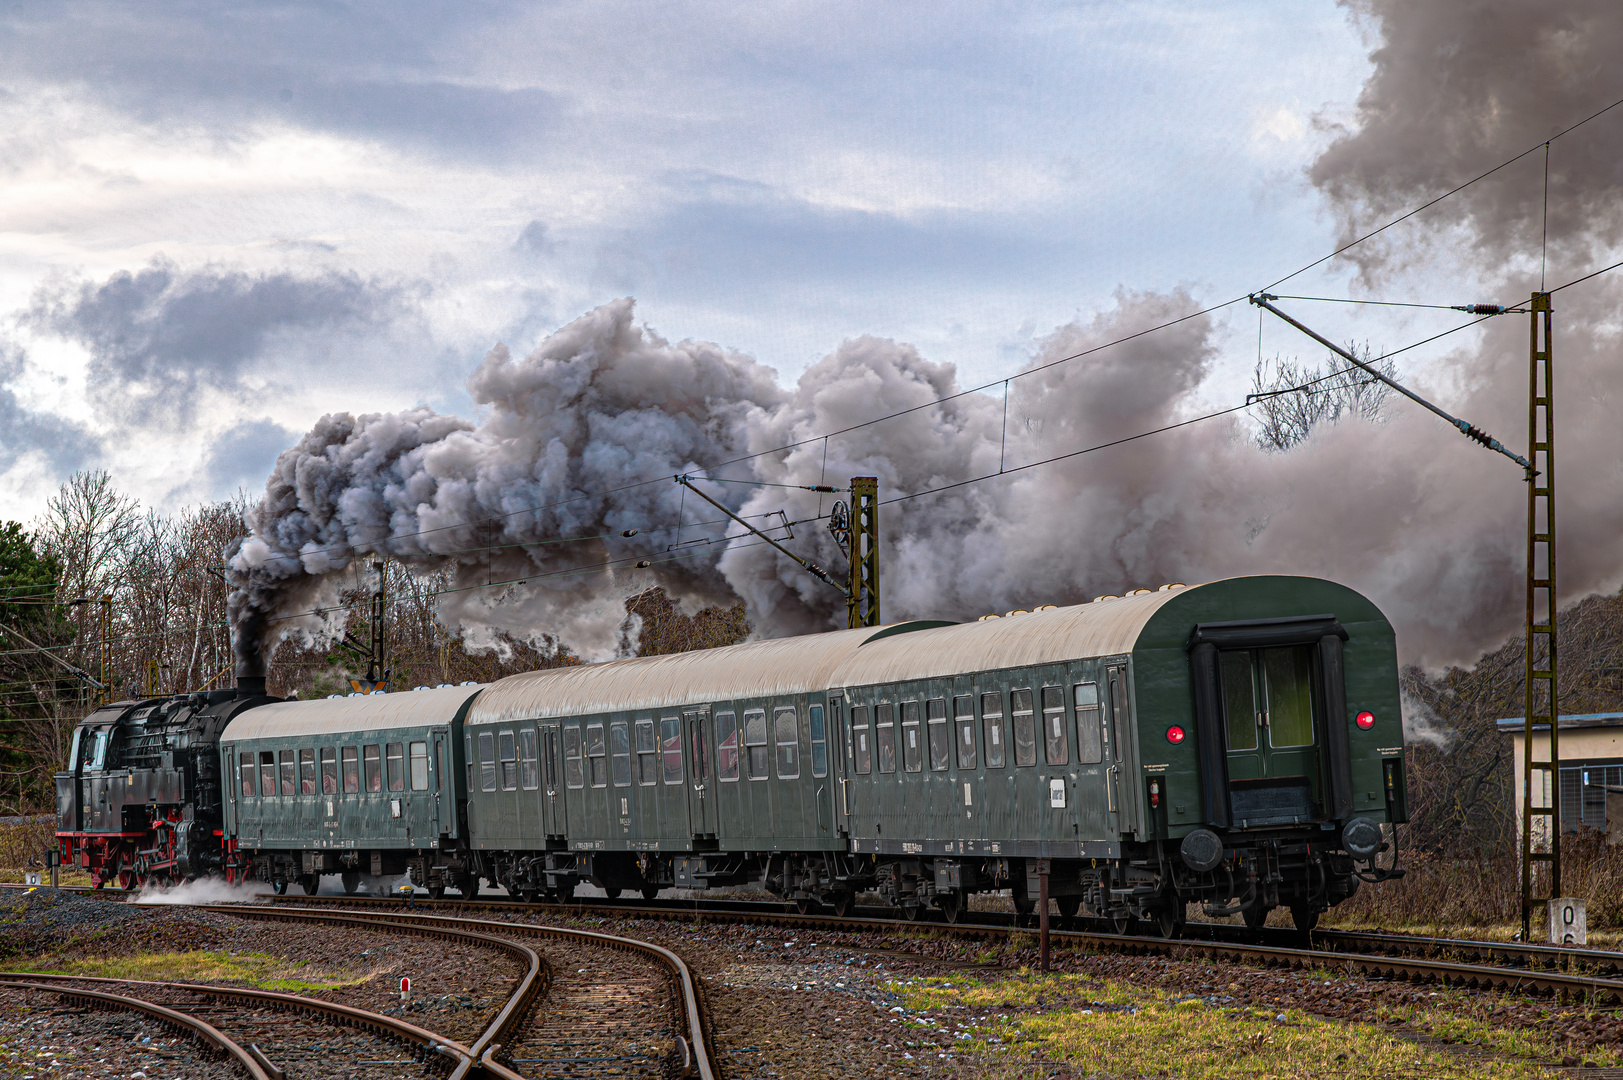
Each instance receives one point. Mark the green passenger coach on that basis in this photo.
(1237, 743)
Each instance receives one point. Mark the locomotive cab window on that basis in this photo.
(329, 771)
(597, 752)
(352, 771)
(419, 766)
(1055, 745)
(963, 715)
(755, 742)
(507, 744)
(647, 753)
(307, 772)
(487, 761)
(912, 738)
(249, 783)
(861, 747)
(529, 772)
(395, 760)
(786, 729)
(726, 746)
(819, 741)
(935, 715)
(574, 760)
(1024, 724)
(267, 773)
(885, 738)
(997, 741)
(670, 745)
(1089, 749)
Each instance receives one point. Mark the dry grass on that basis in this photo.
(252, 969)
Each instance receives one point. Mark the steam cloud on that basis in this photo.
(1426, 525)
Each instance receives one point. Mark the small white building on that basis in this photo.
(1591, 771)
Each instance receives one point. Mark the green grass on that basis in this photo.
(1109, 1028)
(253, 969)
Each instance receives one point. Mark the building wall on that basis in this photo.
(1595, 750)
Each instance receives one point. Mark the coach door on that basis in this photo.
(553, 817)
(701, 796)
(1118, 731)
(1270, 720)
(839, 767)
(442, 826)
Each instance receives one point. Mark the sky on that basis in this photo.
(222, 223)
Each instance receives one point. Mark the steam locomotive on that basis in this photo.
(1236, 744)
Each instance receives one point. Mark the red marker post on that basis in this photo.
(405, 988)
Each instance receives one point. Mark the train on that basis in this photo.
(1236, 744)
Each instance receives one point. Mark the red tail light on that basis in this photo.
(1175, 734)
(1366, 720)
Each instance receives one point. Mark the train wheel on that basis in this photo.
(843, 902)
(1169, 923)
(351, 880)
(280, 887)
(469, 888)
(310, 883)
(1255, 916)
(804, 906)
(566, 892)
(951, 904)
(910, 912)
(650, 892)
(1304, 916)
(1124, 925)
(126, 879)
(1068, 907)
(436, 892)
(613, 893)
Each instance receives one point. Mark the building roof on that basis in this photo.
(1513, 725)
(357, 713)
(839, 658)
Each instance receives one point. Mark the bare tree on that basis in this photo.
(1292, 397)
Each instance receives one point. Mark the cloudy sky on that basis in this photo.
(220, 223)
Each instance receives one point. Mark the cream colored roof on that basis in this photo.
(373, 712)
(820, 662)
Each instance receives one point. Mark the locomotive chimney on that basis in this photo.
(250, 668)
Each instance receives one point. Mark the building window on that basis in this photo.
(726, 746)
(352, 770)
(249, 783)
(1025, 727)
(1089, 748)
(620, 751)
(574, 761)
(329, 771)
(508, 745)
(963, 717)
(647, 753)
(487, 761)
(997, 743)
(755, 742)
(597, 753)
(885, 736)
(1055, 745)
(935, 715)
(861, 744)
(819, 741)
(529, 772)
(289, 781)
(394, 758)
(786, 729)
(419, 766)
(670, 741)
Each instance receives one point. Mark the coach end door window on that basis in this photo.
(1268, 711)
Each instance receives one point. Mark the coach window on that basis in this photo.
(1089, 751)
(597, 752)
(289, 779)
(508, 745)
(912, 738)
(1239, 700)
(419, 766)
(1055, 745)
(1024, 722)
(885, 736)
(997, 742)
(352, 770)
(963, 717)
(249, 784)
(726, 746)
(487, 761)
(647, 753)
(935, 716)
(670, 744)
(329, 771)
(620, 752)
(529, 773)
(861, 747)
(786, 729)
(819, 741)
(755, 742)
(267, 773)
(574, 761)
(307, 772)
(372, 756)
(394, 758)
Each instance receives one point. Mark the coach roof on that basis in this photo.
(817, 662)
(330, 716)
